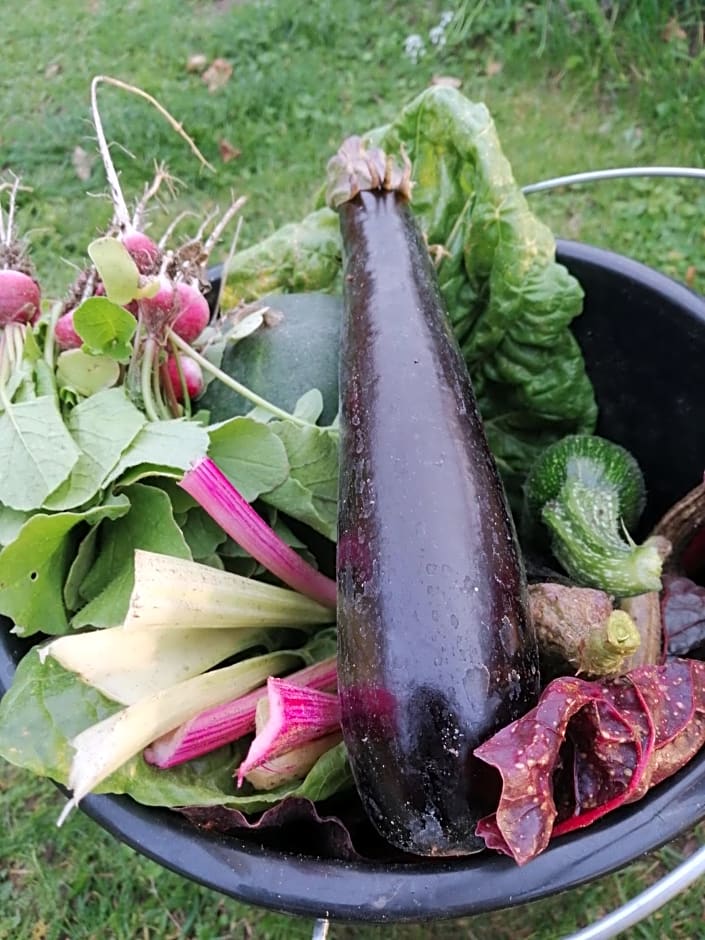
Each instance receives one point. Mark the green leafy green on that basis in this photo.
(203, 535)
(80, 374)
(149, 525)
(34, 566)
(11, 521)
(103, 427)
(105, 327)
(310, 492)
(37, 453)
(250, 454)
(48, 706)
(118, 271)
(301, 256)
(172, 445)
(80, 566)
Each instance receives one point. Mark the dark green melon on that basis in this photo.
(283, 361)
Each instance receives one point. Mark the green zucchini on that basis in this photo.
(586, 493)
(282, 361)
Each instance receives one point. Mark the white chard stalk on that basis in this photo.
(128, 666)
(104, 747)
(176, 593)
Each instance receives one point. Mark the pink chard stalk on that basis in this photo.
(231, 721)
(206, 483)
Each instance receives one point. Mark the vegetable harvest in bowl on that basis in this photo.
(154, 549)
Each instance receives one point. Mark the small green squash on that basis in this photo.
(282, 361)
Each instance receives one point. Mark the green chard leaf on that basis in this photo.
(47, 706)
(34, 566)
(149, 525)
(250, 454)
(301, 256)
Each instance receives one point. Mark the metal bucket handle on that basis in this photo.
(668, 887)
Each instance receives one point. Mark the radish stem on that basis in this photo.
(214, 236)
(234, 384)
(146, 378)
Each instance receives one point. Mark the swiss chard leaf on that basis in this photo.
(47, 706)
(509, 301)
(625, 735)
(34, 566)
(149, 525)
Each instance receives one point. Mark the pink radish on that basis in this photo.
(65, 332)
(146, 254)
(20, 297)
(192, 376)
(193, 312)
(157, 312)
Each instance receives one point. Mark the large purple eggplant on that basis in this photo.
(435, 649)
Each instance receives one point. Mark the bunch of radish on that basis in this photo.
(162, 287)
(20, 295)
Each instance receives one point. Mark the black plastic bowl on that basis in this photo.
(644, 341)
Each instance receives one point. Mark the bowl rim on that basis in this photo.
(378, 892)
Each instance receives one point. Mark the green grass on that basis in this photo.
(569, 91)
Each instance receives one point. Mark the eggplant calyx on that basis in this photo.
(356, 168)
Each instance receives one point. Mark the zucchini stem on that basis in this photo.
(586, 539)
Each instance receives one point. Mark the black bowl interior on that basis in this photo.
(644, 341)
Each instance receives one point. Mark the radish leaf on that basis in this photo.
(83, 374)
(118, 271)
(37, 452)
(173, 445)
(105, 328)
(103, 426)
(310, 493)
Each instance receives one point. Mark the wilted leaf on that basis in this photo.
(673, 31)
(217, 74)
(228, 151)
(82, 162)
(52, 70)
(493, 67)
(196, 62)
